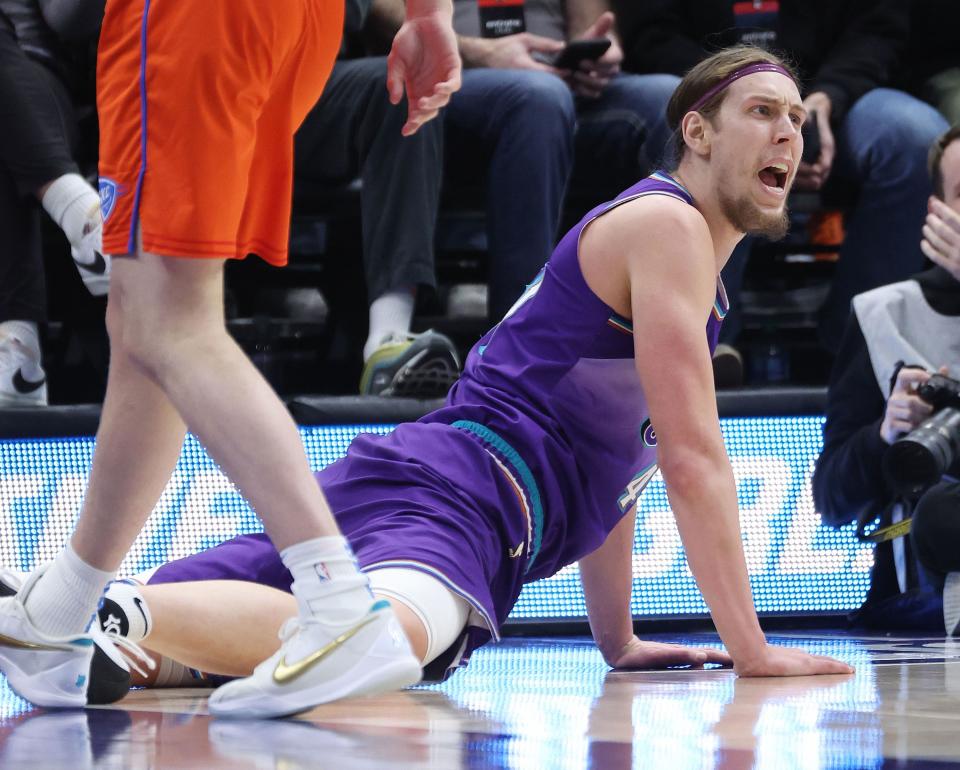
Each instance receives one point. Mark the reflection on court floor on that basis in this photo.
(547, 703)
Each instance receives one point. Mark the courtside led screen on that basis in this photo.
(795, 563)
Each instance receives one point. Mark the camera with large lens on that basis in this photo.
(918, 460)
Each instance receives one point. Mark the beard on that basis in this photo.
(747, 218)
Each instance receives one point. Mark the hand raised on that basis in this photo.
(941, 236)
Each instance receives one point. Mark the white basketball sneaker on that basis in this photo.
(23, 383)
(59, 672)
(88, 256)
(318, 663)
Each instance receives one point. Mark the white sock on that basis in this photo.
(25, 331)
(326, 580)
(73, 204)
(65, 598)
(390, 313)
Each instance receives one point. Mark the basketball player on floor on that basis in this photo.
(599, 374)
(198, 103)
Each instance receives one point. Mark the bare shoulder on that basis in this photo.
(647, 232)
(655, 215)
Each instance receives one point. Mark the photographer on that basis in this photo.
(872, 402)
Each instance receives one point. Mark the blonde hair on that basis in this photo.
(704, 76)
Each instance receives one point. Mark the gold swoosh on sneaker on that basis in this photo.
(19, 644)
(285, 672)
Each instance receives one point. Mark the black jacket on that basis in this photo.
(848, 476)
(841, 47)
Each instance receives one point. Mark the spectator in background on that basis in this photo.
(38, 136)
(871, 402)
(873, 138)
(534, 128)
(355, 130)
(932, 63)
(525, 126)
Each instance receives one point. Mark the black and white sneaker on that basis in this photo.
(23, 383)
(88, 256)
(412, 365)
(61, 672)
(123, 612)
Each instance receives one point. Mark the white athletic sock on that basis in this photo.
(25, 331)
(65, 598)
(326, 580)
(390, 313)
(73, 204)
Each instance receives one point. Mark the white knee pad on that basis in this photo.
(443, 613)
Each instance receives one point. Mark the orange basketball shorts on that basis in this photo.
(198, 103)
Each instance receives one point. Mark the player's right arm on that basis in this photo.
(663, 251)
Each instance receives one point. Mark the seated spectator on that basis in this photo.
(933, 55)
(525, 126)
(354, 130)
(38, 135)
(872, 401)
(873, 138)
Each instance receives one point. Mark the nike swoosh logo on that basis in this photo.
(24, 386)
(513, 553)
(139, 602)
(98, 266)
(19, 644)
(287, 672)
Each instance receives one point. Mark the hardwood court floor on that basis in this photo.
(547, 703)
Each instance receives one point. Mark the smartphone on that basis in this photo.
(576, 51)
(811, 139)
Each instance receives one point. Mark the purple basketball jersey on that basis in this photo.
(542, 446)
(553, 390)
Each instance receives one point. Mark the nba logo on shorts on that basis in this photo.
(108, 197)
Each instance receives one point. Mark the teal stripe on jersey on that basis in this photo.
(523, 470)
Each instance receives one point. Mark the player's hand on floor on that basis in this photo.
(424, 64)
(640, 654)
(784, 661)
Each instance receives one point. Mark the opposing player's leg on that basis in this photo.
(227, 627)
(172, 353)
(178, 339)
(138, 444)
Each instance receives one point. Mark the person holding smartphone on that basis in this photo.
(531, 129)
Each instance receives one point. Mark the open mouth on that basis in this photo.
(774, 175)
